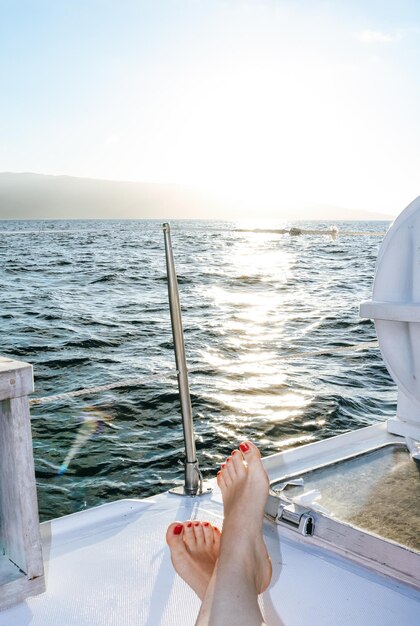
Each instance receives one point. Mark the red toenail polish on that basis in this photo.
(178, 529)
(228, 459)
(218, 473)
(234, 452)
(223, 465)
(189, 524)
(197, 524)
(206, 523)
(244, 447)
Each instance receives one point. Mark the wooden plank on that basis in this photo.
(17, 590)
(10, 496)
(19, 531)
(16, 379)
(15, 421)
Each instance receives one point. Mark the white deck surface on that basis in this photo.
(110, 566)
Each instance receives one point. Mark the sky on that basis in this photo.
(285, 102)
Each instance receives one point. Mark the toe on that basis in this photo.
(216, 538)
(230, 468)
(221, 483)
(174, 535)
(189, 535)
(199, 534)
(225, 475)
(238, 463)
(250, 452)
(208, 533)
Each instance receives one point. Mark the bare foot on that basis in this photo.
(244, 484)
(194, 550)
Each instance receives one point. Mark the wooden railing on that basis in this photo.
(21, 564)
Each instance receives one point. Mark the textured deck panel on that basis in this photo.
(110, 567)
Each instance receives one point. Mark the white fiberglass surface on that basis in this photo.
(111, 567)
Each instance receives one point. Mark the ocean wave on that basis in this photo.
(91, 342)
(66, 362)
(107, 278)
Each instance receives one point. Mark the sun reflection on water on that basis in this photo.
(256, 309)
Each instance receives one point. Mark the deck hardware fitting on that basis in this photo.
(292, 516)
(283, 511)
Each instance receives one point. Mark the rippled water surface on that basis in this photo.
(86, 304)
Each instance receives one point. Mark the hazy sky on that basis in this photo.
(300, 100)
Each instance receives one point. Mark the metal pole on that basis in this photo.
(193, 481)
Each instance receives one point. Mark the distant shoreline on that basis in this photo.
(44, 197)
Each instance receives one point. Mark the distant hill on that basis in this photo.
(39, 196)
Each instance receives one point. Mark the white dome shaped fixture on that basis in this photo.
(395, 307)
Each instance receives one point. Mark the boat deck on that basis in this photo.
(110, 566)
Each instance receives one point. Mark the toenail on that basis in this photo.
(223, 465)
(206, 523)
(228, 459)
(178, 529)
(234, 452)
(218, 473)
(197, 524)
(189, 524)
(244, 447)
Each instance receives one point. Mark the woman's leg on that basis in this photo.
(243, 569)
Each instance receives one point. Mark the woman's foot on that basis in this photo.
(194, 551)
(244, 485)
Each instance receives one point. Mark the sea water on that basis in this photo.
(86, 303)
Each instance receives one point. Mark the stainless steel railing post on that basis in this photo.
(193, 481)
